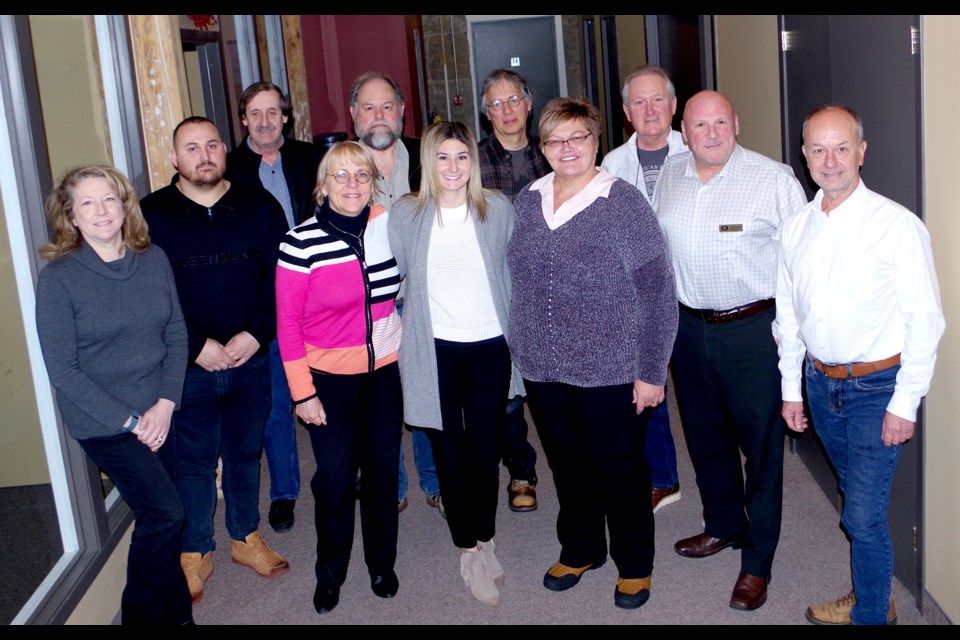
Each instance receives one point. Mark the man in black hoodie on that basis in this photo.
(222, 239)
(287, 168)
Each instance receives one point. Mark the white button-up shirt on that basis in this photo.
(724, 235)
(859, 286)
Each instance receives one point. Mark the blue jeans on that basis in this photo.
(659, 448)
(426, 469)
(848, 418)
(222, 414)
(156, 591)
(280, 435)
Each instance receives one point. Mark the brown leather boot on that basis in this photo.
(253, 552)
(198, 570)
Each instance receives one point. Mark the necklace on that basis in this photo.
(345, 232)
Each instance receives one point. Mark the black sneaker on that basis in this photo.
(281, 515)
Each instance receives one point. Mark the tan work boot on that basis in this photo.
(838, 611)
(198, 570)
(253, 552)
(523, 496)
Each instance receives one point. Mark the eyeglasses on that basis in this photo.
(343, 176)
(513, 101)
(573, 141)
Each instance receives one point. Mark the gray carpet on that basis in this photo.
(812, 563)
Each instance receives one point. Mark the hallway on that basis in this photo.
(812, 563)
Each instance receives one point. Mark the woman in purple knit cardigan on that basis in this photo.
(592, 323)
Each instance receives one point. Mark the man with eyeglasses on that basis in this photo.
(287, 168)
(721, 208)
(509, 160)
(649, 103)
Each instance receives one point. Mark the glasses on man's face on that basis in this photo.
(343, 176)
(573, 141)
(513, 101)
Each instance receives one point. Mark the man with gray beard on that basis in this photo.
(376, 106)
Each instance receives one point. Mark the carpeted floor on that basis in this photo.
(812, 563)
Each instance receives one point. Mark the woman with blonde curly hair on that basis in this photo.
(115, 347)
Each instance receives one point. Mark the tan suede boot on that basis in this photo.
(253, 552)
(198, 570)
(838, 611)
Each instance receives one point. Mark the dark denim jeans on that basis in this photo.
(519, 457)
(280, 435)
(222, 414)
(659, 448)
(156, 590)
(848, 417)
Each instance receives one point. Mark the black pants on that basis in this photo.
(156, 591)
(593, 440)
(364, 421)
(474, 379)
(728, 393)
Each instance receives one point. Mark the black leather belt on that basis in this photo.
(728, 315)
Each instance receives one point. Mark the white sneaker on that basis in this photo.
(477, 577)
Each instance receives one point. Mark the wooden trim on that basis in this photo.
(297, 78)
(162, 87)
(263, 48)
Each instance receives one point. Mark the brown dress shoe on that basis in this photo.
(253, 552)
(750, 592)
(702, 545)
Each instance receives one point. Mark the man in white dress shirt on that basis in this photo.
(721, 207)
(858, 307)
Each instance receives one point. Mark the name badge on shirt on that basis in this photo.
(728, 228)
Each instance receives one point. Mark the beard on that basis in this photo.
(200, 178)
(380, 136)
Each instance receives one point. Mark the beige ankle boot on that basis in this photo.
(477, 577)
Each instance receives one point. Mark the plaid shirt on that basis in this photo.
(496, 165)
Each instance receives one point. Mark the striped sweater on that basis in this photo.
(335, 303)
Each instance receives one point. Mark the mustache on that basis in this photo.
(265, 128)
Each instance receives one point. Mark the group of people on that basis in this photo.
(439, 283)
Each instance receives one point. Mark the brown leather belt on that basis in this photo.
(854, 369)
(728, 315)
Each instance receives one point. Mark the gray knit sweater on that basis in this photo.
(594, 301)
(112, 336)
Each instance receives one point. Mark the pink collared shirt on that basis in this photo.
(598, 187)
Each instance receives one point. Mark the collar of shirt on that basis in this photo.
(399, 183)
(598, 187)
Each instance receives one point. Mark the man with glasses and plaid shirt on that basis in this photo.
(509, 160)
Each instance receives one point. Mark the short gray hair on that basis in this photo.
(649, 70)
(506, 75)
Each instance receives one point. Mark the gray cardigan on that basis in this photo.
(410, 241)
(112, 336)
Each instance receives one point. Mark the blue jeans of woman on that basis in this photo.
(426, 469)
(848, 418)
(156, 591)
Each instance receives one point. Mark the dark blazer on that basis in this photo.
(300, 162)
